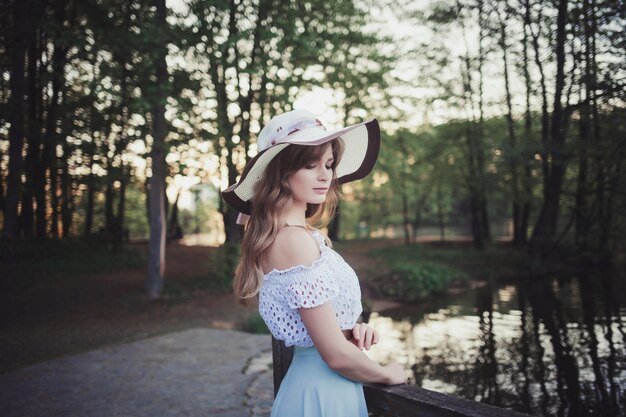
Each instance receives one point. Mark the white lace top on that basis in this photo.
(284, 291)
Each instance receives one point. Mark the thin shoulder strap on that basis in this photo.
(319, 247)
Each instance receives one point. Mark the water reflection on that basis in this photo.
(552, 347)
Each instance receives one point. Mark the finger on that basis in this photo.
(376, 337)
(366, 337)
(362, 335)
(369, 337)
(355, 332)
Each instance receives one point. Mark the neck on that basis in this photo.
(295, 214)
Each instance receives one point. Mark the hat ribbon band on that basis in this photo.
(295, 127)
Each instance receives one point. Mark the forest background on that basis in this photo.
(124, 119)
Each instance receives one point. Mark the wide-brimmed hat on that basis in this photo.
(301, 127)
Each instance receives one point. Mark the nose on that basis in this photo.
(324, 174)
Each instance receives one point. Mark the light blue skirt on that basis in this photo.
(311, 389)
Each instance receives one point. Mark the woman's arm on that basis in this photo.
(340, 354)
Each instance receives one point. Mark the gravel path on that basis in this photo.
(196, 372)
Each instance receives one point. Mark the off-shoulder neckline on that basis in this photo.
(323, 250)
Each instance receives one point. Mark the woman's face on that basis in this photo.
(310, 183)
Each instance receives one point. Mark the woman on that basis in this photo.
(308, 296)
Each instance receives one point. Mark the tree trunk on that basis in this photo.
(90, 150)
(117, 227)
(528, 125)
(480, 148)
(217, 69)
(173, 229)
(417, 218)
(518, 230)
(417, 221)
(58, 97)
(16, 131)
(66, 189)
(581, 209)
(545, 228)
(25, 222)
(605, 202)
(478, 210)
(117, 232)
(2, 201)
(109, 217)
(90, 197)
(51, 156)
(582, 225)
(33, 136)
(121, 209)
(485, 228)
(156, 262)
(40, 183)
(231, 229)
(406, 223)
(474, 203)
(256, 57)
(545, 117)
(440, 218)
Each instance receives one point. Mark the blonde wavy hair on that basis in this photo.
(272, 196)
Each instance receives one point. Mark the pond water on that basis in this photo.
(546, 346)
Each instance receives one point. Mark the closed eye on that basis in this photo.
(313, 166)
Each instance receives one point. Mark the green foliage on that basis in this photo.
(255, 324)
(430, 168)
(420, 269)
(232, 65)
(417, 271)
(414, 279)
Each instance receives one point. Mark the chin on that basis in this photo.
(318, 200)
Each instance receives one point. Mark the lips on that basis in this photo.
(320, 190)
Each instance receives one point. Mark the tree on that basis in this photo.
(545, 227)
(16, 133)
(156, 262)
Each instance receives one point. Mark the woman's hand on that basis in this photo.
(364, 336)
(323, 327)
(396, 374)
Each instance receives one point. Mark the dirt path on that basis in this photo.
(84, 312)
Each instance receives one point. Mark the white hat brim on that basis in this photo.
(362, 143)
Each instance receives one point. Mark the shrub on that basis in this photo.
(223, 261)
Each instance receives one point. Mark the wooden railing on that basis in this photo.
(401, 400)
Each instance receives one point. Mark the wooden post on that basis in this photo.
(281, 356)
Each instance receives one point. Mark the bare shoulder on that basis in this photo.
(293, 246)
